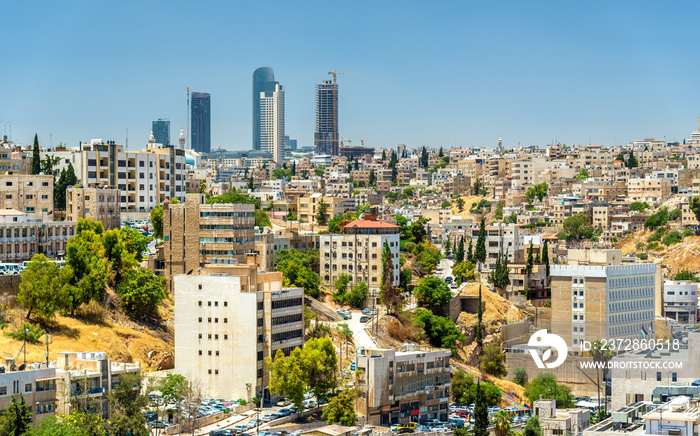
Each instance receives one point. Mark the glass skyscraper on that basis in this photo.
(200, 104)
(268, 113)
(326, 135)
(161, 131)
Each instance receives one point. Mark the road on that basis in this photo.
(359, 332)
(444, 268)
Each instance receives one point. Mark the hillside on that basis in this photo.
(684, 255)
(99, 329)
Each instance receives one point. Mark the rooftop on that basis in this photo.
(368, 224)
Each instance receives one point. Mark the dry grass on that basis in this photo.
(97, 329)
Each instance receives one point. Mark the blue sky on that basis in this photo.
(435, 73)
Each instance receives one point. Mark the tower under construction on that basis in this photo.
(326, 135)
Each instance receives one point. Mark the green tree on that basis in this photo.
(87, 268)
(639, 206)
(334, 224)
(463, 271)
(16, 420)
(601, 353)
(632, 160)
(134, 242)
(296, 274)
(447, 246)
(446, 205)
(341, 284)
(459, 253)
(157, 221)
(424, 158)
(441, 331)
(532, 428)
(141, 293)
(502, 422)
(493, 360)
(545, 258)
(432, 293)
(372, 178)
(321, 364)
(389, 294)
(120, 259)
(127, 406)
(51, 427)
(470, 252)
(576, 226)
(288, 376)
(427, 256)
(582, 175)
(460, 204)
(460, 386)
(480, 253)
(39, 289)
(322, 213)
(83, 424)
(36, 156)
(500, 275)
(341, 409)
(685, 276)
(418, 233)
(481, 416)
(479, 336)
(520, 376)
(546, 386)
(695, 207)
(539, 191)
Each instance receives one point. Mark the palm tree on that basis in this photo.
(602, 354)
(503, 423)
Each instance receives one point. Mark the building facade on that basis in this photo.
(326, 135)
(228, 319)
(200, 136)
(99, 204)
(32, 194)
(268, 113)
(21, 238)
(358, 252)
(403, 386)
(161, 131)
(196, 233)
(36, 383)
(681, 301)
(593, 302)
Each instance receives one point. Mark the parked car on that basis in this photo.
(240, 428)
(394, 428)
(268, 417)
(363, 319)
(309, 404)
(440, 428)
(159, 424)
(284, 412)
(409, 427)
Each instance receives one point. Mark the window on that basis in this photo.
(225, 303)
(674, 377)
(200, 303)
(658, 376)
(208, 303)
(28, 387)
(200, 319)
(200, 352)
(217, 353)
(225, 320)
(210, 371)
(209, 352)
(209, 336)
(216, 371)
(200, 336)
(225, 337)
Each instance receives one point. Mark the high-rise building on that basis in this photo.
(268, 113)
(161, 131)
(201, 122)
(326, 135)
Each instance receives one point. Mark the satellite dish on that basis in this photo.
(21, 367)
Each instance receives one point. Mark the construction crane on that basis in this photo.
(335, 73)
(362, 141)
(188, 117)
(341, 140)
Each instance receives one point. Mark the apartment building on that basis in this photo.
(688, 217)
(196, 234)
(501, 239)
(590, 302)
(653, 191)
(406, 385)
(36, 383)
(21, 237)
(675, 366)
(555, 422)
(358, 252)
(99, 204)
(86, 379)
(681, 301)
(228, 319)
(307, 207)
(32, 194)
(13, 158)
(144, 178)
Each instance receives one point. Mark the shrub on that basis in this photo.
(688, 232)
(673, 237)
(400, 331)
(652, 245)
(33, 332)
(614, 240)
(642, 256)
(640, 244)
(410, 246)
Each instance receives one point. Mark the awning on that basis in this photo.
(46, 401)
(47, 379)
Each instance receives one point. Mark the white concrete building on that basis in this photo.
(272, 122)
(227, 320)
(681, 301)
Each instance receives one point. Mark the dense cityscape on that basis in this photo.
(173, 284)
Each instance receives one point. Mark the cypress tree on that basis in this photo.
(481, 414)
(36, 158)
(479, 327)
(459, 253)
(470, 251)
(545, 259)
(480, 254)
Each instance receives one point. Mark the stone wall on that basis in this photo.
(9, 288)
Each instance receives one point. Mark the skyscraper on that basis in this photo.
(326, 135)
(161, 131)
(201, 122)
(268, 113)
